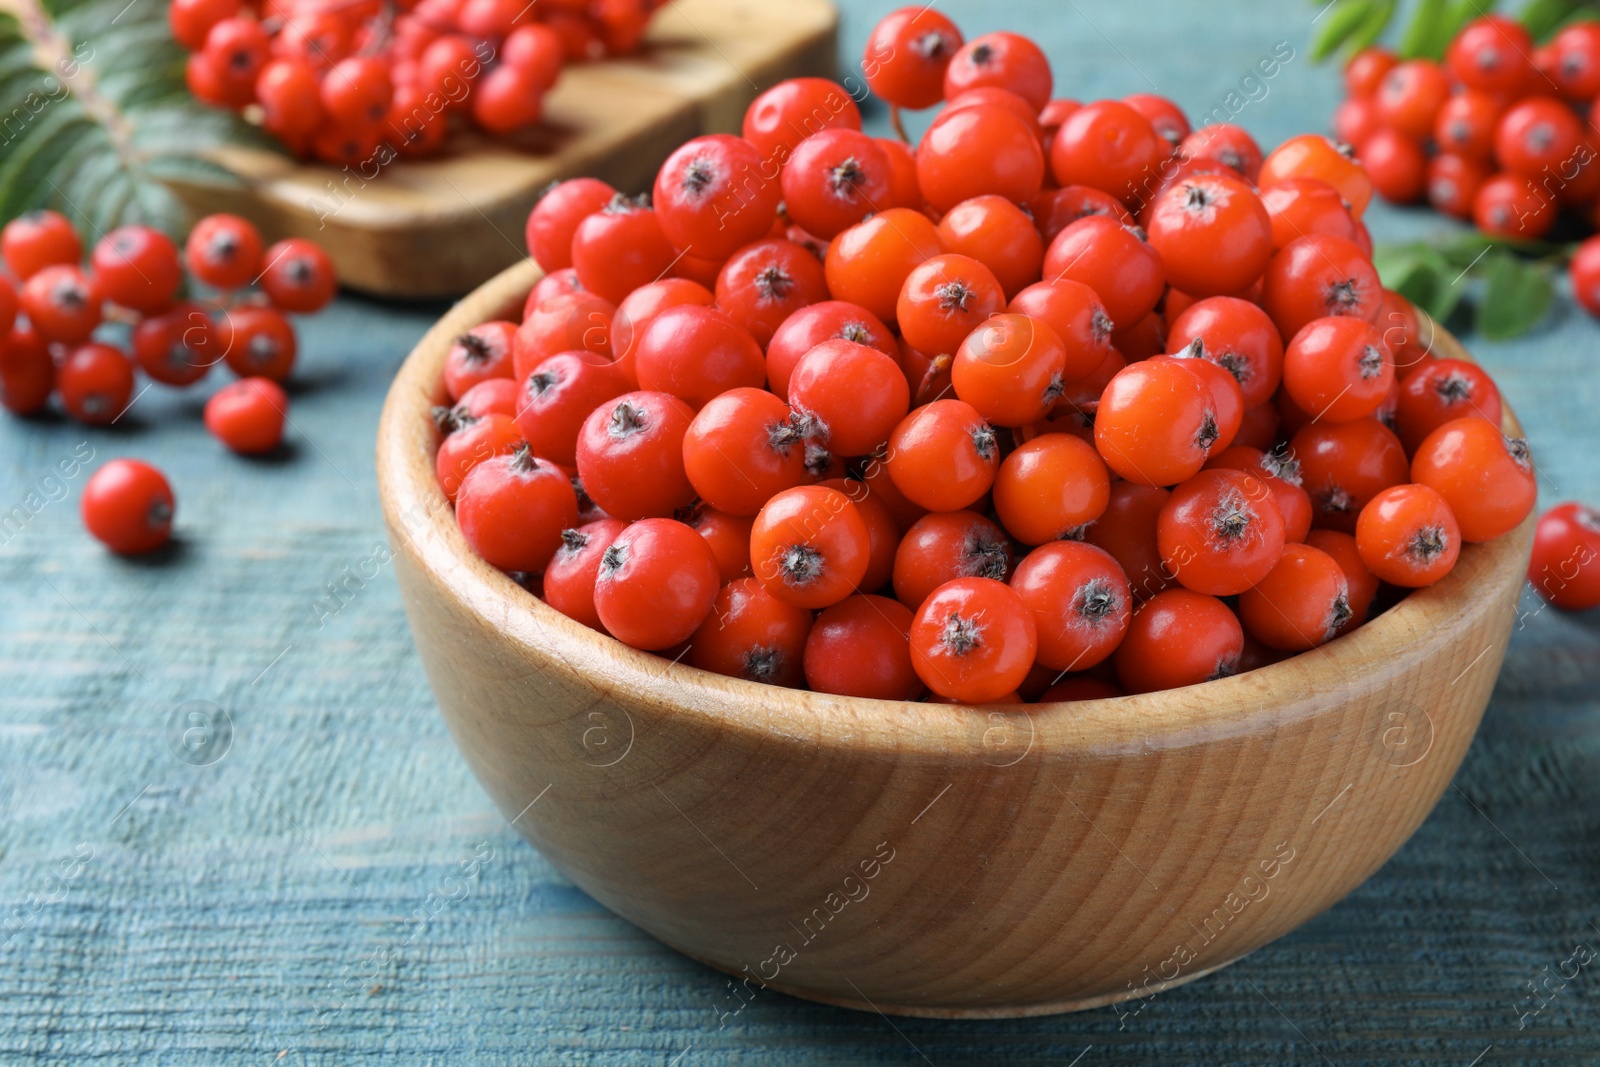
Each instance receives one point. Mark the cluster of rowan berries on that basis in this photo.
(1066, 400)
(1502, 133)
(350, 82)
(81, 333)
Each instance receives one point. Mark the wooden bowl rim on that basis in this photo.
(1397, 642)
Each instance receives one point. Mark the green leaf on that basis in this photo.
(1542, 17)
(1338, 24)
(1426, 36)
(1370, 30)
(1422, 275)
(1515, 296)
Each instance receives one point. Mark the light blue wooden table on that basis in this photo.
(287, 886)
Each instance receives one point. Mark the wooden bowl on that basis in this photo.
(925, 859)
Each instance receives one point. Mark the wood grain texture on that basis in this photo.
(440, 226)
(1056, 859)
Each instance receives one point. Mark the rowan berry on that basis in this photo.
(656, 584)
(1280, 472)
(834, 179)
(861, 647)
(1466, 125)
(696, 353)
(1396, 164)
(27, 373)
(1080, 602)
(1114, 260)
(867, 264)
(1509, 205)
(811, 325)
(248, 415)
(137, 267)
(1453, 184)
(555, 218)
(224, 251)
(1224, 143)
(298, 276)
(764, 283)
(191, 20)
(1585, 268)
(1303, 602)
(850, 396)
(62, 303)
(128, 507)
(1365, 70)
(809, 546)
(1050, 487)
(468, 444)
(979, 151)
(711, 199)
(1317, 276)
(1363, 584)
(907, 55)
(1440, 391)
(558, 395)
(1156, 423)
(1178, 638)
(1109, 146)
(1491, 54)
(1055, 209)
(1576, 69)
(995, 232)
(753, 635)
(570, 576)
(1565, 568)
(1408, 536)
(1080, 688)
(1311, 155)
(1227, 401)
(630, 455)
(1076, 315)
(1338, 369)
(945, 545)
(943, 456)
(1220, 532)
(973, 640)
(178, 347)
(481, 354)
(793, 110)
(619, 248)
(96, 383)
(1237, 336)
(1212, 233)
(1011, 368)
(1002, 60)
(1486, 477)
(1345, 464)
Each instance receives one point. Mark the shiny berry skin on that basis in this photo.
(996, 233)
(728, 536)
(1178, 638)
(480, 354)
(1303, 602)
(38, 239)
(1410, 96)
(1453, 184)
(62, 302)
(1311, 155)
(1237, 336)
(569, 578)
(469, 444)
(1227, 401)
(1365, 70)
(1212, 233)
(1337, 369)
(128, 507)
(809, 546)
(1397, 165)
(178, 347)
(567, 322)
(506, 99)
(290, 94)
(979, 151)
(851, 396)
(1363, 585)
(1585, 268)
(357, 90)
(191, 20)
(1318, 276)
(1050, 487)
(973, 640)
(944, 299)
(1354, 120)
(1565, 568)
(1408, 536)
(1080, 602)
(1576, 70)
(1055, 209)
(1220, 532)
(655, 584)
(1491, 54)
(1164, 115)
(1466, 125)
(619, 248)
(1280, 472)
(630, 455)
(1076, 315)
(1230, 145)
(765, 282)
(861, 647)
(1112, 259)
(1156, 423)
(298, 276)
(256, 342)
(834, 179)
(27, 373)
(1001, 60)
(138, 268)
(1486, 477)
(556, 216)
(1509, 205)
(945, 545)
(248, 415)
(1299, 207)
(753, 635)
(710, 197)
(224, 251)
(742, 448)
(558, 395)
(1440, 391)
(514, 507)
(1109, 146)
(1011, 368)
(696, 353)
(943, 456)
(1537, 136)
(907, 56)
(868, 264)
(1345, 464)
(622, 328)
(96, 383)
(883, 530)
(1127, 530)
(785, 114)
(815, 323)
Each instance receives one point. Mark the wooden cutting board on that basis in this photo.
(438, 227)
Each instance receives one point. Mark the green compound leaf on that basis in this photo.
(1516, 294)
